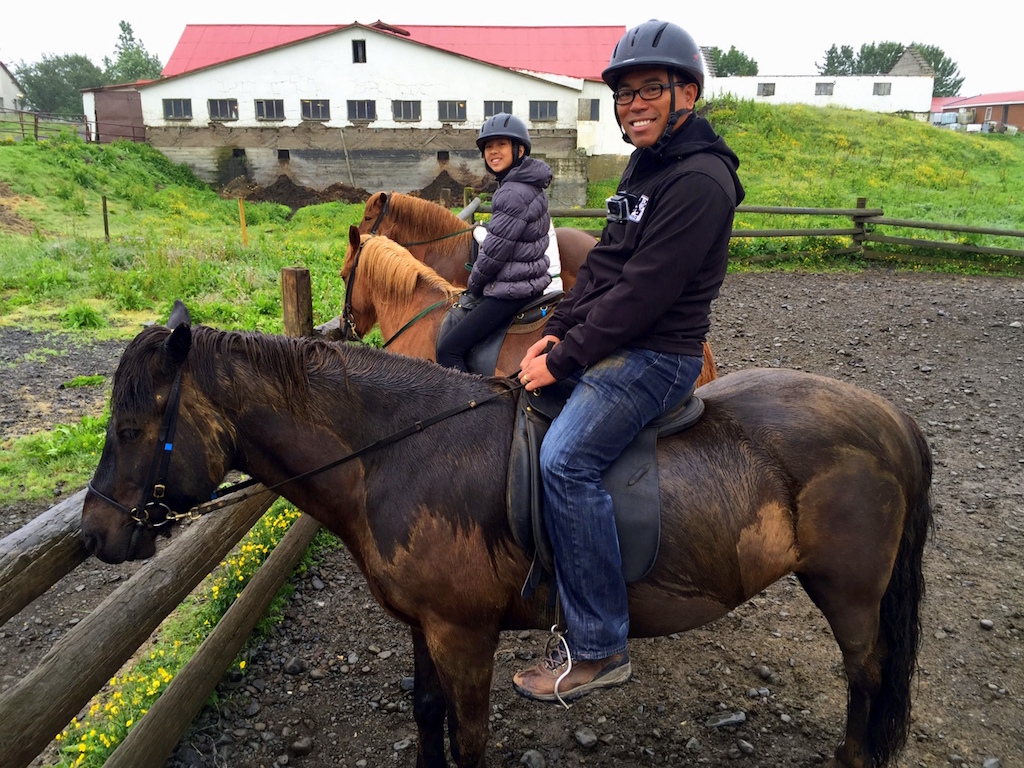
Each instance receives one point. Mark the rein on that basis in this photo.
(161, 460)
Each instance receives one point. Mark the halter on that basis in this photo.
(156, 479)
(348, 314)
(386, 208)
(158, 469)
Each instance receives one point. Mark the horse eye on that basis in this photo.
(128, 434)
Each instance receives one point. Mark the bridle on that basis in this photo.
(156, 480)
(157, 476)
(348, 313)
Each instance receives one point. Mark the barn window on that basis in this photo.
(358, 51)
(284, 155)
(451, 111)
(405, 111)
(824, 89)
(590, 109)
(443, 156)
(766, 89)
(883, 89)
(492, 108)
(362, 111)
(270, 109)
(988, 114)
(543, 110)
(177, 109)
(316, 109)
(223, 109)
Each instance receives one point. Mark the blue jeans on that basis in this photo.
(612, 402)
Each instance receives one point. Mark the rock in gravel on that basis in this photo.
(990, 762)
(294, 666)
(302, 746)
(733, 718)
(586, 737)
(533, 759)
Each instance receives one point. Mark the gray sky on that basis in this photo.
(786, 37)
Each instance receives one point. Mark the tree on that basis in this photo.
(838, 61)
(54, 84)
(132, 62)
(947, 73)
(878, 59)
(732, 63)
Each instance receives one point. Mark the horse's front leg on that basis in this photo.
(428, 706)
(464, 660)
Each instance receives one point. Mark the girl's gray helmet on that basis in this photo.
(656, 44)
(504, 125)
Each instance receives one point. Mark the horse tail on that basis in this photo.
(900, 627)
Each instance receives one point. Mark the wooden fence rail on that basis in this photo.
(81, 662)
(863, 229)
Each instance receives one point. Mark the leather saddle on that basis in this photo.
(483, 358)
(632, 481)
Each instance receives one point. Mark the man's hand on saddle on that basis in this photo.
(533, 370)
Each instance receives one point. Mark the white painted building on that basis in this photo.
(889, 94)
(11, 97)
(377, 108)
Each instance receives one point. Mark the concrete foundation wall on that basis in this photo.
(373, 159)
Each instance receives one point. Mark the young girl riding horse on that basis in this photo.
(512, 267)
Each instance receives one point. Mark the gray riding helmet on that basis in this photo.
(656, 44)
(504, 125)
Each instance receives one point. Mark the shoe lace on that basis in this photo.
(557, 654)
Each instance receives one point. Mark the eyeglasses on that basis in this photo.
(648, 92)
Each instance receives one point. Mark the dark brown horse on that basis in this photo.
(786, 472)
(408, 300)
(442, 240)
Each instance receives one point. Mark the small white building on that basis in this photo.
(11, 95)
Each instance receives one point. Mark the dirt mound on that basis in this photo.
(287, 192)
(9, 219)
(443, 188)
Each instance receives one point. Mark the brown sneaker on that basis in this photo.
(550, 681)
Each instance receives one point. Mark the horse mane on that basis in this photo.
(291, 370)
(428, 220)
(395, 272)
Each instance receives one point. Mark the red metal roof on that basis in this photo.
(572, 51)
(202, 45)
(987, 100)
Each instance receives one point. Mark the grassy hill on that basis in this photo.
(172, 236)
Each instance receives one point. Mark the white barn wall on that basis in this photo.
(908, 93)
(322, 68)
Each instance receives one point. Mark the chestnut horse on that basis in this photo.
(442, 240)
(406, 461)
(408, 300)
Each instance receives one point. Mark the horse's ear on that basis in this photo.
(177, 345)
(353, 237)
(179, 342)
(179, 315)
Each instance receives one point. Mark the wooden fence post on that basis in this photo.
(858, 224)
(297, 301)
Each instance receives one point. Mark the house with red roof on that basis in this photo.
(378, 106)
(988, 111)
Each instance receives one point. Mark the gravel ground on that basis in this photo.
(330, 686)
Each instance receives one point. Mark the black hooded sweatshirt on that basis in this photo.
(650, 281)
